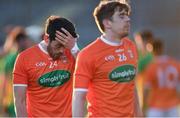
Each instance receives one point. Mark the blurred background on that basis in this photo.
(161, 17)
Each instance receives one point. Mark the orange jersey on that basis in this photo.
(162, 78)
(107, 72)
(49, 83)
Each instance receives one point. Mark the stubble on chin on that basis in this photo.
(124, 35)
(55, 57)
(52, 55)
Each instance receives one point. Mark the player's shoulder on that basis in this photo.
(90, 48)
(128, 41)
(28, 52)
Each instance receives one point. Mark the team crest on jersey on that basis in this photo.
(54, 78)
(123, 73)
(130, 53)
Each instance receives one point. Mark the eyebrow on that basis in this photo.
(123, 12)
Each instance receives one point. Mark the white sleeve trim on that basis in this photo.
(20, 85)
(75, 49)
(81, 89)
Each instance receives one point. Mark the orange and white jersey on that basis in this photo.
(49, 83)
(107, 70)
(162, 77)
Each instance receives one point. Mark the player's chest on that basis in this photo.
(48, 65)
(115, 57)
(50, 73)
(117, 65)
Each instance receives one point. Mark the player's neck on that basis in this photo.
(112, 38)
(110, 41)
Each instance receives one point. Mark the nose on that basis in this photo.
(61, 50)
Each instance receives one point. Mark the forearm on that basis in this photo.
(9, 43)
(78, 109)
(20, 101)
(138, 111)
(3, 53)
(20, 108)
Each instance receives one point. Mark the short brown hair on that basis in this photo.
(106, 9)
(158, 46)
(147, 36)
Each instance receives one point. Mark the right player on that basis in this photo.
(105, 69)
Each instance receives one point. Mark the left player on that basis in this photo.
(43, 73)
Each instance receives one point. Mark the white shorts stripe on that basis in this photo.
(19, 84)
(81, 89)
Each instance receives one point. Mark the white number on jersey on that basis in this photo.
(167, 77)
(122, 57)
(53, 64)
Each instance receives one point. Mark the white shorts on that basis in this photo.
(155, 112)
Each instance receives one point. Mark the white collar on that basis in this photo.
(43, 46)
(111, 43)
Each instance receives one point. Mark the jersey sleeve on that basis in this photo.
(83, 71)
(19, 72)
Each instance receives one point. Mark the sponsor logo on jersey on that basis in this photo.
(110, 58)
(123, 73)
(54, 78)
(40, 64)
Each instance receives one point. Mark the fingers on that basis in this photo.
(64, 43)
(61, 34)
(61, 39)
(65, 39)
(66, 32)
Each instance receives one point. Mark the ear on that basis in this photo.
(107, 24)
(46, 38)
